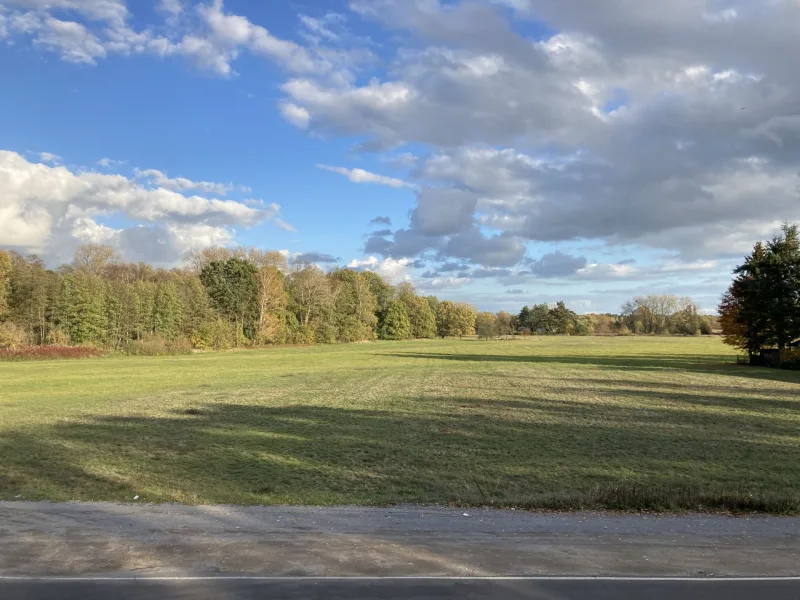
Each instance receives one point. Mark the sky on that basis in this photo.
(498, 152)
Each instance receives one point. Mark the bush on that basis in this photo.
(303, 336)
(214, 335)
(156, 345)
(705, 326)
(50, 353)
(58, 337)
(273, 330)
(12, 336)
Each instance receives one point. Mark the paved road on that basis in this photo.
(101, 539)
(401, 590)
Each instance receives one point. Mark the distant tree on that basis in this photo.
(5, 283)
(395, 324)
(761, 308)
(524, 318)
(33, 295)
(582, 325)
(272, 296)
(686, 320)
(420, 314)
(384, 293)
(312, 300)
(196, 311)
(94, 258)
(486, 325)
(167, 311)
(82, 311)
(354, 306)
(562, 320)
(233, 288)
(465, 315)
(540, 321)
(705, 326)
(504, 323)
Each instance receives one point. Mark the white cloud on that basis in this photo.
(393, 270)
(49, 157)
(74, 42)
(296, 115)
(362, 176)
(208, 36)
(173, 7)
(284, 225)
(443, 283)
(48, 209)
(181, 184)
(107, 163)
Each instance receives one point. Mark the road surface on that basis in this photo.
(403, 589)
(226, 552)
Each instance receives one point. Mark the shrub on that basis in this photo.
(156, 345)
(273, 330)
(50, 353)
(303, 335)
(58, 337)
(214, 335)
(12, 336)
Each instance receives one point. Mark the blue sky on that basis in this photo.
(524, 150)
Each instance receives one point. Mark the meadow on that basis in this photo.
(639, 423)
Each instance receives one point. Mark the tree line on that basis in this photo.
(761, 308)
(224, 298)
(643, 315)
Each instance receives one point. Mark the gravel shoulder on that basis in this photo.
(41, 539)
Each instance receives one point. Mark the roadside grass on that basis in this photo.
(547, 423)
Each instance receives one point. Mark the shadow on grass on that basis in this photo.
(531, 453)
(701, 363)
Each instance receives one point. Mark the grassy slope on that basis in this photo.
(547, 422)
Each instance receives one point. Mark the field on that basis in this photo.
(625, 423)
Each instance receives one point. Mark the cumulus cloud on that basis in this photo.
(671, 126)
(502, 250)
(362, 176)
(48, 209)
(557, 264)
(443, 211)
(642, 124)
(393, 270)
(85, 31)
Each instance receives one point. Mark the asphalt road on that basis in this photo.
(400, 589)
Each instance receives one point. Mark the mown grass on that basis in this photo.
(561, 423)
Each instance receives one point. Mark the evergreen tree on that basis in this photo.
(761, 309)
(167, 311)
(83, 308)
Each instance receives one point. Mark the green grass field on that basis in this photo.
(628, 423)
